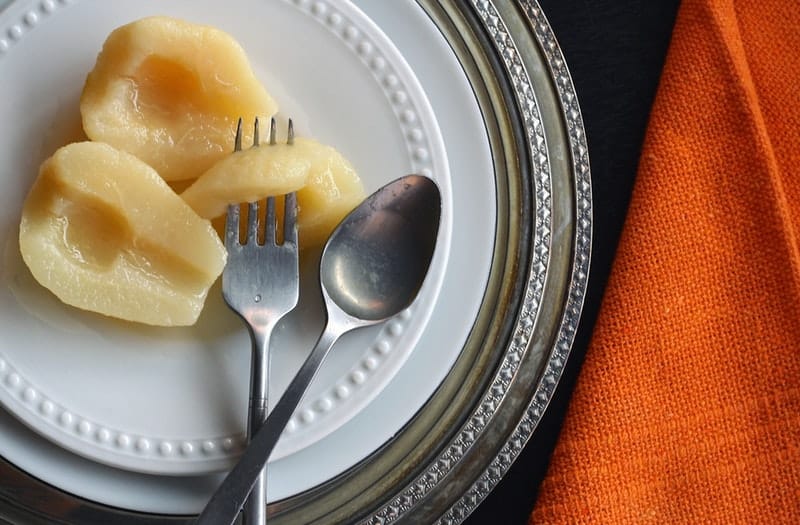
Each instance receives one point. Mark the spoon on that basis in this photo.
(371, 269)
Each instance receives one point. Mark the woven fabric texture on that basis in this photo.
(687, 409)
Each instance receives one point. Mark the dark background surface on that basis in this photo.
(615, 50)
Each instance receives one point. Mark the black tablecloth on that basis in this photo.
(615, 50)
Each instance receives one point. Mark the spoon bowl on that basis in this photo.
(372, 268)
(375, 261)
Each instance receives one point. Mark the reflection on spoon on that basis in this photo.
(372, 268)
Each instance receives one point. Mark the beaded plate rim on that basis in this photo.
(168, 455)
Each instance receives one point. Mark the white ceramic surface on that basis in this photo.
(178, 385)
(54, 42)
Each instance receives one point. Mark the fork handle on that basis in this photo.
(224, 505)
(255, 509)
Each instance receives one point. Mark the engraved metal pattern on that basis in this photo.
(523, 330)
(580, 272)
(480, 488)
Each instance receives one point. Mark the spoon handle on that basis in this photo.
(224, 505)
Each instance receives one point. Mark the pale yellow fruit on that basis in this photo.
(170, 92)
(104, 232)
(327, 185)
(332, 190)
(250, 175)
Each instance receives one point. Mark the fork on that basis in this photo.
(261, 284)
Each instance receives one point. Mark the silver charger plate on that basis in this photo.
(459, 444)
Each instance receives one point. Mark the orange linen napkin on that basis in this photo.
(687, 409)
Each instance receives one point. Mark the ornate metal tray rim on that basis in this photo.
(492, 16)
(519, 35)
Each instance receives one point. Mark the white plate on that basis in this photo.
(182, 391)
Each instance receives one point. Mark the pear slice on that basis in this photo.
(333, 189)
(327, 186)
(170, 92)
(104, 232)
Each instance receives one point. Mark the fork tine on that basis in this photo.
(290, 218)
(255, 133)
(232, 227)
(237, 143)
(269, 236)
(232, 218)
(252, 223)
(272, 129)
(290, 133)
